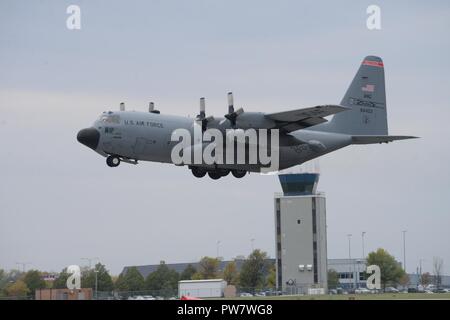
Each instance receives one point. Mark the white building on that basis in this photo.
(208, 288)
(351, 272)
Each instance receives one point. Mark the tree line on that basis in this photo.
(256, 273)
(392, 272)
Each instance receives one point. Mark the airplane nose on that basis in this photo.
(89, 137)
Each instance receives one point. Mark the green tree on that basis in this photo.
(120, 284)
(7, 278)
(404, 280)
(163, 281)
(61, 281)
(391, 270)
(34, 281)
(104, 281)
(3, 282)
(438, 264)
(17, 289)
(208, 268)
(254, 271)
(272, 277)
(11, 276)
(197, 276)
(132, 280)
(188, 272)
(425, 279)
(333, 279)
(230, 274)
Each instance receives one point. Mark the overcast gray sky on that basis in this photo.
(60, 202)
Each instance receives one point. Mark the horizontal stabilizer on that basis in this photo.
(378, 139)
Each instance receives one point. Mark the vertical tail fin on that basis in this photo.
(366, 97)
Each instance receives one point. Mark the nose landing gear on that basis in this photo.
(113, 161)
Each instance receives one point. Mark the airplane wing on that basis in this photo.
(303, 118)
(378, 139)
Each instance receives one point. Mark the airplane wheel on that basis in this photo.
(113, 161)
(214, 175)
(224, 172)
(198, 172)
(239, 173)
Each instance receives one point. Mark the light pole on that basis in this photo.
(362, 237)
(350, 258)
(420, 266)
(90, 261)
(96, 284)
(217, 248)
(252, 240)
(419, 281)
(404, 249)
(23, 264)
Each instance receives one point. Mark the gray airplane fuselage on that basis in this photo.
(147, 136)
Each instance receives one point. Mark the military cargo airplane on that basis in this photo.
(304, 134)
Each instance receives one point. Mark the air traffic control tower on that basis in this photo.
(300, 235)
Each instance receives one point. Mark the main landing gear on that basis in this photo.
(216, 174)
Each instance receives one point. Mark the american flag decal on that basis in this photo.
(368, 88)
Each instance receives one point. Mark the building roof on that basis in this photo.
(202, 280)
(180, 267)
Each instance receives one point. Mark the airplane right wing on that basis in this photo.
(302, 118)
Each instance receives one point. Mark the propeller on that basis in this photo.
(201, 117)
(232, 115)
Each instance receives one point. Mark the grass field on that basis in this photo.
(383, 296)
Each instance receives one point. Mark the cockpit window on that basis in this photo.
(110, 118)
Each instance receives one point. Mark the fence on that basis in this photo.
(172, 294)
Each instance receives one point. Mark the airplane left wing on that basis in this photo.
(303, 118)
